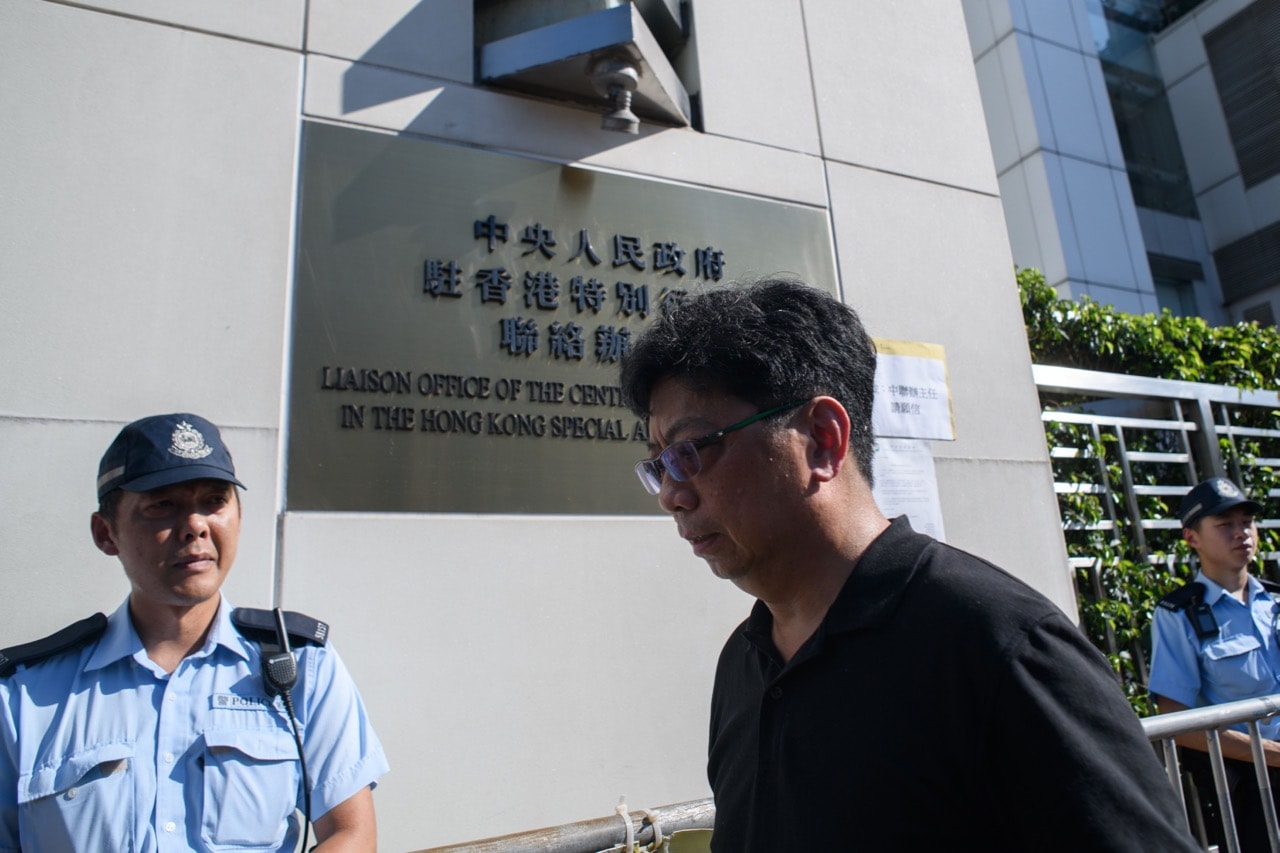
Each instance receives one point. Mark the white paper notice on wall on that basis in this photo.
(907, 485)
(913, 399)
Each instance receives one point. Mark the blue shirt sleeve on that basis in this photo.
(343, 751)
(1175, 664)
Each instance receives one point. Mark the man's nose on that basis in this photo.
(675, 495)
(195, 525)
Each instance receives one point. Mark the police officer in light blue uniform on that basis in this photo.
(160, 728)
(1214, 640)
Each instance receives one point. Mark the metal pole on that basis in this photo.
(1174, 772)
(1224, 791)
(1206, 439)
(1264, 785)
(588, 836)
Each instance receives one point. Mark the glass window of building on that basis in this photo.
(1122, 31)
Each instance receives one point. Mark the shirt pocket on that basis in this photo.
(251, 785)
(80, 801)
(1237, 667)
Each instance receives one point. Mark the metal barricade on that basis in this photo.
(1166, 727)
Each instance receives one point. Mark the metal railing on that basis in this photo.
(1191, 417)
(1163, 729)
(590, 836)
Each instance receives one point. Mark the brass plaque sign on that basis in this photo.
(459, 316)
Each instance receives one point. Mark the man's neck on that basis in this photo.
(1234, 579)
(813, 584)
(171, 633)
(797, 614)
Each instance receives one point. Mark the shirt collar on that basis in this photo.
(1213, 591)
(224, 633)
(120, 640)
(872, 592)
(879, 579)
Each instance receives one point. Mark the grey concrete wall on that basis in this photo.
(521, 671)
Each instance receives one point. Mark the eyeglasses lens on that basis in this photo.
(650, 473)
(680, 460)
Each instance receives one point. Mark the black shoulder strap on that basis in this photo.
(1183, 597)
(69, 638)
(261, 626)
(1190, 599)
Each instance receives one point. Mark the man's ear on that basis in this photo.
(1189, 536)
(828, 437)
(102, 535)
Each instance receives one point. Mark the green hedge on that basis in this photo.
(1083, 333)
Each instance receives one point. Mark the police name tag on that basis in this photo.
(232, 702)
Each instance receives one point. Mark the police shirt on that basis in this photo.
(100, 749)
(1240, 662)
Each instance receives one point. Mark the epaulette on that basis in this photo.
(261, 625)
(1183, 597)
(1190, 599)
(68, 639)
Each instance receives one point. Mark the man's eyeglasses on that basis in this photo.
(681, 459)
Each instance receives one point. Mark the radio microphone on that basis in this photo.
(279, 675)
(280, 670)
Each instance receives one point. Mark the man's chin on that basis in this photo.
(194, 595)
(726, 572)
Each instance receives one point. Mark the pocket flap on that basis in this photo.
(1238, 645)
(262, 744)
(59, 775)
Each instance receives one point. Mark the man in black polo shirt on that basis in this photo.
(887, 690)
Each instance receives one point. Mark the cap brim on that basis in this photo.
(186, 473)
(1219, 509)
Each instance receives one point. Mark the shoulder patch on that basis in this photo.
(1183, 597)
(261, 625)
(68, 639)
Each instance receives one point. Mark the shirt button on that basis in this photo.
(170, 826)
(168, 758)
(71, 793)
(170, 697)
(776, 693)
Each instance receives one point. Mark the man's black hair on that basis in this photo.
(767, 342)
(109, 505)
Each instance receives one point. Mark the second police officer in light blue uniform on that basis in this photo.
(1214, 641)
(159, 728)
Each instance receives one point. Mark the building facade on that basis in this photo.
(200, 203)
(1135, 146)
